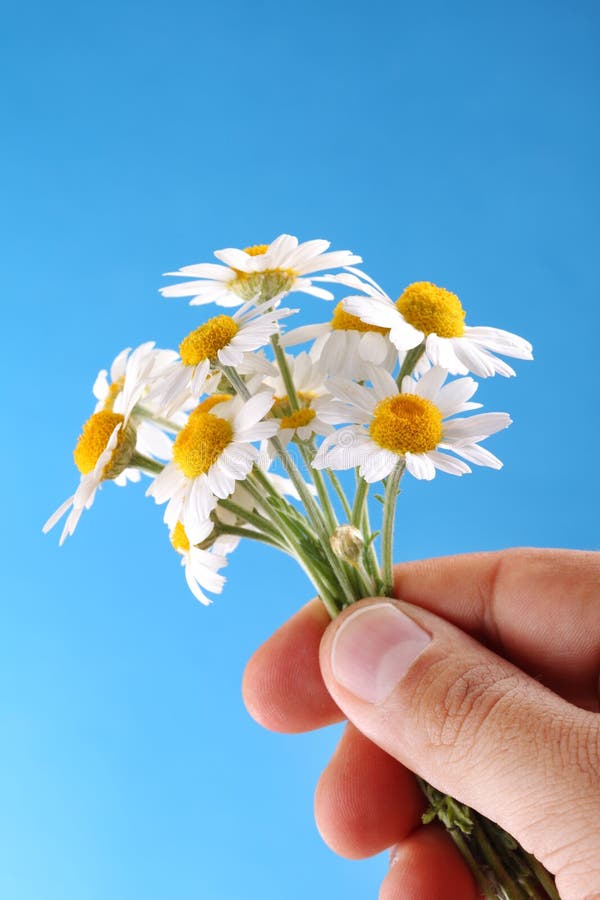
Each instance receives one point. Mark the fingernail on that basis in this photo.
(373, 649)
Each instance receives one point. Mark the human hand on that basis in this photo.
(498, 708)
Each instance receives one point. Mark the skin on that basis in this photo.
(530, 621)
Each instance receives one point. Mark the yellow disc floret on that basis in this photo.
(432, 309)
(263, 285)
(298, 419)
(210, 402)
(95, 436)
(179, 538)
(256, 250)
(345, 321)
(406, 424)
(206, 341)
(199, 445)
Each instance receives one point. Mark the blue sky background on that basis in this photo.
(450, 142)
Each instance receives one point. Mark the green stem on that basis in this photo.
(514, 890)
(319, 483)
(251, 518)
(151, 466)
(371, 561)
(297, 536)
(360, 498)
(544, 877)
(387, 531)
(288, 381)
(314, 513)
(410, 360)
(337, 486)
(238, 531)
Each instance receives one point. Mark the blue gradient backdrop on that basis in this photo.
(452, 142)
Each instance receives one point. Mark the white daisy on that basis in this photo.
(201, 566)
(224, 339)
(210, 454)
(302, 423)
(104, 451)
(411, 426)
(261, 273)
(141, 366)
(345, 345)
(426, 312)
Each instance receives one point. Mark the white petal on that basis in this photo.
(383, 384)
(57, 516)
(378, 465)
(252, 411)
(441, 352)
(420, 466)
(500, 341)
(475, 428)
(430, 383)
(452, 397)
(448, 464)
(205, 270)
(478, 455)
(304, 333)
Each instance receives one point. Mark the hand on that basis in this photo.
(483, 679)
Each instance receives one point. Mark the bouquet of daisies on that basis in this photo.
(242, 438)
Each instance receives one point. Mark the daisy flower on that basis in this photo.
(223, 339)
(210, 454)
(427, 313)
(345, 344)
(141, 366)
(301, 423)
(104, 451)
(201, 566)
(264, 272)
(413, 426)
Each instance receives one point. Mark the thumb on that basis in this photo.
(474, 726)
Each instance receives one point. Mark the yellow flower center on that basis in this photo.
(95, 436)
(432, 309)
(261, 286)
(199, 445)
(179, 538)
(345, 321)
(297, 419)
(206, 341)
(210, 402)
(256, 249)
(406, 424)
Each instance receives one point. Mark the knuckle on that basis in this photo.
(470, 706)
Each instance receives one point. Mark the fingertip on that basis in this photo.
(428, 865)
(365, 800)
(282, 686)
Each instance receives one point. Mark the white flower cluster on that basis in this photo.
(207, 423)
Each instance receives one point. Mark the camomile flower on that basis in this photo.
(301, 423)
(345, 345)
(142, 367)
(201, 566)
(213, 451)
(427, 313)
(389, 427)
(104, 451)
(264, 272)
(223, 339)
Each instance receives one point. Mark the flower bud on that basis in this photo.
(347, 543)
